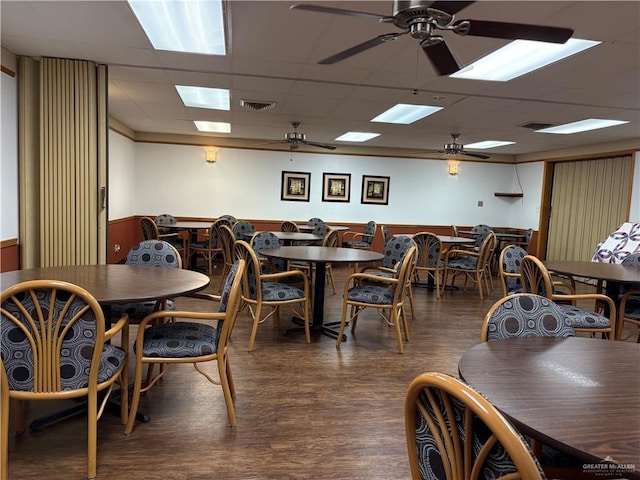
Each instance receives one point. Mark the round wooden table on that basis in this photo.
(578, 395)
(321, 256)
(193, 227)
(288, 237)
(309, 228)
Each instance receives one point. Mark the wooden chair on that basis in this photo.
(227, 240)
(386, 236)
(210, 247)
(363, 290)
(269, 290)
(55, 347)
(330, 240)
(453, 432)
(288, 226)
(474, 266)
(509, 264)
(191, 342)
(536, 279)
(243, 230)
(430, 258)
(362, 240)
(150, 231)
(629, 314)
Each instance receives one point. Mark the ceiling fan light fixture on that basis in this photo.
(405, 114)
(521, 57)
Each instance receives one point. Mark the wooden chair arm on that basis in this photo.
(116, 327)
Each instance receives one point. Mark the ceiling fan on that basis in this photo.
(421, 18)
(295, 138)
(454, 148)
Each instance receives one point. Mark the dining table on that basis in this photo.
(320, 257)
(288, 238)
(193, 227)
(309, 228)
(112, 284)
(578, 395)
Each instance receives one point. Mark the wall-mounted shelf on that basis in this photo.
(506, 194)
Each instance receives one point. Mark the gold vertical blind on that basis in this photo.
(68, 162)
(589, 199)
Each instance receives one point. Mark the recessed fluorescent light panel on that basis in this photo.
(582, 126)
(202, 97)
(215, 127)
(487, 144)
(405, 113)
(520, 57)
(357, 136)
(194, 26)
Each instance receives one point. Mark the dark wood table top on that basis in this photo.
(597, 270)
(579, 395)
(451, 239)
(308, 228)
(116, 283)
(187, 225)
(323, 254)
(298, 236)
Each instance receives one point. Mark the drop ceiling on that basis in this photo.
(273, 53)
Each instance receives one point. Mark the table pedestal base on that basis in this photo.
(324, 329)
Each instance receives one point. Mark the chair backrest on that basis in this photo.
(487, 247)
(154, 253)
(527, 238)
(632, 260)
(429, 250)
(404, 273)
(226, 239)
(288, 226)
(386, 236)
(229, 218)
(509, 266)
(454, 231)
(265, 240)
(451, 430)
(369, 232)
(525, 315)
(165, 219)
(251, 285)
(243, 230)
(480, 232)
(315, 221)
(321, 229)
(149, 229)
(230, 298)
(535, 277)
(330, 239)
(395, 250)
(52, 337)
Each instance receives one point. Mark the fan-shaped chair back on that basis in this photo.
(288, 226)
(330, 239)
(453, 432)
(525, 315)
(229, 218)
(243, 230)
(315, 221)
(149, 229)
(509, 266)
(321, 229)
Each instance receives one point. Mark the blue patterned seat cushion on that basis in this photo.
(138, 310)
(181, 339)
(357, 244)
(278, 292)
(373, 294)
(583, 318)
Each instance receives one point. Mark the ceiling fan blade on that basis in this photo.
(321, 145)
(441, 58)
(483, 156)
(517, 31)
(340, 11)
(361, 47)
(450, 7)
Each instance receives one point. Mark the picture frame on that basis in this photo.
(336, 187)
(375, 190)
(295, 186)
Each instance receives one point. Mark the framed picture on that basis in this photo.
(375, 190)
(336, 187)
(295, 186)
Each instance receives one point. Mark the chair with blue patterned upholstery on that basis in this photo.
(314, 222)
(150, 231)
(453, 432)
(165, 219)
(629, 311)
(191, 341)
(362, 240)
(363, 290)
(430, 258)
(536, 279)
(210, 247)
(229, 218)
(266, 240)
(55, 347)
(150, 253)
(243, 231)
(272, 290)
(509, 265)
(386, 236)
(474, 266)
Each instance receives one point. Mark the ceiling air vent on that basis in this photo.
(538, 125)
(257, 105)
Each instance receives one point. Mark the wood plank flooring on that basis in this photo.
(305, 411)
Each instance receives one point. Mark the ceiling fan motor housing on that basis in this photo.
(406, 12)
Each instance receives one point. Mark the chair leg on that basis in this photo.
(331, 279)
(4, 427)
(254, 327)
(395, 318)
(92, 434)
(307, 333)
(343, 323)
(225, 382)
(135, 400)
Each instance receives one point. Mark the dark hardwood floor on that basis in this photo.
(305, 411)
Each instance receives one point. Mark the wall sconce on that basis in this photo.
(211, 156)
(453, 168)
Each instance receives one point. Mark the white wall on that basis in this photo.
(8, 157)
(122, 179)
(634, 212)
(177, 180)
